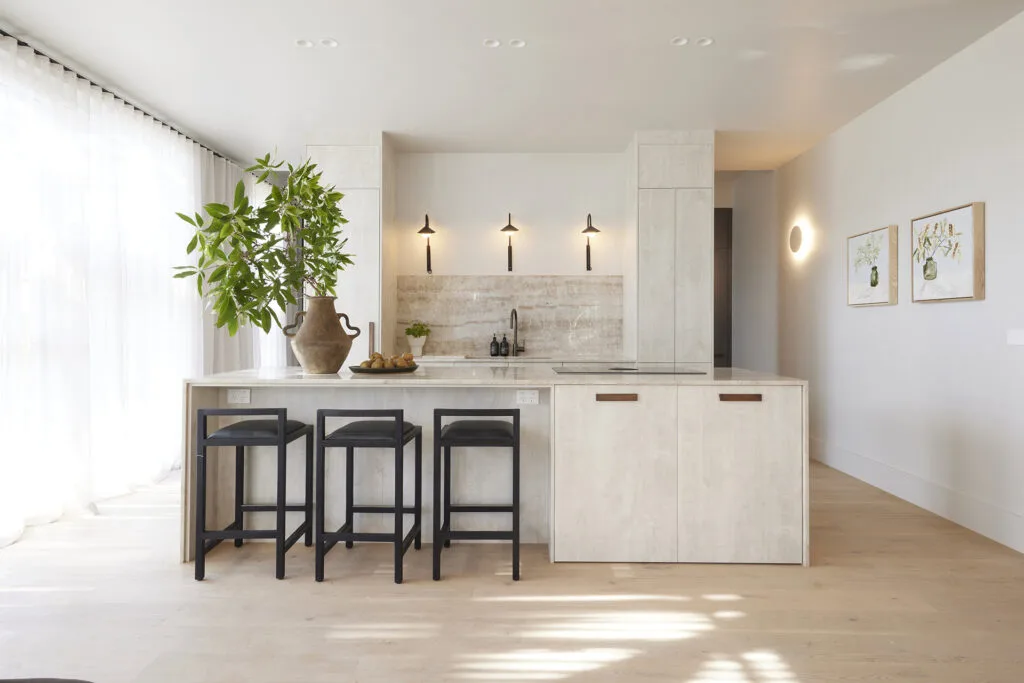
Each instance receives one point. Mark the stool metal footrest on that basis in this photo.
(254, 507)
(378, 509)
(481, 508)
(449, 535)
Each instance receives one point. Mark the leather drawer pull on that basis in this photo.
(740, 398)
(618, 397)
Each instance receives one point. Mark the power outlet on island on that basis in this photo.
(236, 396)
(527, 397)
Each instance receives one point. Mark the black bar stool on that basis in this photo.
(278, 432)
(393, 433)
(473, 433)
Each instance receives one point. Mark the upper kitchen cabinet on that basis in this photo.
(674, 185)
(674, 166)
(356, 171)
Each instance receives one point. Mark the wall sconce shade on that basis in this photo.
(588, 231)
(796, 239)
(427, 231)
(510, 229)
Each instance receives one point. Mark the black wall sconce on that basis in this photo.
(426, 231)
(588, 231)
(510, 229)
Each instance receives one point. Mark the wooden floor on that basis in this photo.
(895, 594)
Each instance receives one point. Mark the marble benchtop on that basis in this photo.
(531, 375)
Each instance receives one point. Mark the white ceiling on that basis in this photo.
(774, 83)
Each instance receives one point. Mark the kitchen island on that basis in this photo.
(617, 465)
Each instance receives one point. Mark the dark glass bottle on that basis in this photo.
(495, 349)
(503, 347)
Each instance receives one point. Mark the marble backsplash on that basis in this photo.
(559, 316)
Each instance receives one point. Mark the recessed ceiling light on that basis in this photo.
(679, 41)
(329, 42)
(304, 43)
(865, 62)
(752, 55)
(492, 42)
(517, 42)
(705, 42)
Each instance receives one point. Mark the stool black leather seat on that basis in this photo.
(381, 433)
(473, 433)
(277, 432)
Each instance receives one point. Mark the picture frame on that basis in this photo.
(872, 268)
(947, 255)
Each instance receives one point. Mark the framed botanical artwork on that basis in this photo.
(872, 269)
(948, 255)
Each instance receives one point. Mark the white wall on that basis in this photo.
(755, 271)
(922, 400)
(725, 188)
(469, 196)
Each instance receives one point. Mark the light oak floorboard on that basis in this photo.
(894, 594)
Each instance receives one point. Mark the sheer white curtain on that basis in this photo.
(95, 335)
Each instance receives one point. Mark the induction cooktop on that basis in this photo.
(628, 369)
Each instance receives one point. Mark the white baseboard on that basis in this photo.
(1002, 526)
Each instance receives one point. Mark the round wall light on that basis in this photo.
(796, 239)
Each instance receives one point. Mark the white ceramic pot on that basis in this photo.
(416, 344)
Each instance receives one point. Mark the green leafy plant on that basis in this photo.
(417, 329)
(252, 260)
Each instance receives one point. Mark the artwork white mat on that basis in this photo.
(872, 250)
(955, 241)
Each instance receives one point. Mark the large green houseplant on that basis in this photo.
(254, 260)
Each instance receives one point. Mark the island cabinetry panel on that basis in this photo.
(615, 474)
(741, 474)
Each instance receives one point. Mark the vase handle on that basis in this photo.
(289, 330)
(350, 325)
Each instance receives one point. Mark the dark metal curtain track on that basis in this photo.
(93, 83)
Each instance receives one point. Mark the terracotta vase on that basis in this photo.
(320, 344)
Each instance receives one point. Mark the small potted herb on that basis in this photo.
(416, 334)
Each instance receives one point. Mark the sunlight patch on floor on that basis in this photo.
(538, 665)
(583, 598)
(729, 614)
(626, 626)
(722, 597)
(382, 631)
(44, 589)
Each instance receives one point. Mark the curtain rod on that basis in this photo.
(94, 84)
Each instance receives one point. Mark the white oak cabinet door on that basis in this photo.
(615, 455)
(656, 276)
(741, 474)
(694, 276)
